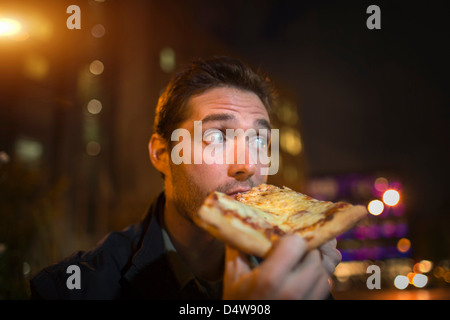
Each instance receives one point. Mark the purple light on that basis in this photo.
(388, 230)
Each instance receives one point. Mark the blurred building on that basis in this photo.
(381, 239)
(76, 115)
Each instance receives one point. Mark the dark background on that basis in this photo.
(369, 102)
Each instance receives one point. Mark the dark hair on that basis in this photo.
(200, 76)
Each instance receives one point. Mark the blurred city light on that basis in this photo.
(98, 31)
(401, 282)
(403, 245)
(167, 59)
(28, 150)
(94, 106)
(420, 280)
(423, 266)
(36, 67)
(4, 158)
(375, 207)
(391, 197)
(96, 67)
(93, 148)
(381, 184)
(287, 113)
(9, 27)
(290, 141)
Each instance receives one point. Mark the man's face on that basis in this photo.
(219, 109)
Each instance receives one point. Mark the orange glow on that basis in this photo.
(423, 266)
(290, 141)
(36, 67)
(439, 272)
(9, 27)
(403, 245)
(447, 277)
(411, 276)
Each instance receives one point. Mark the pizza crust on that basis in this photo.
(341, 222)
(232, 231)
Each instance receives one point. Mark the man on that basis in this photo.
(167, 256)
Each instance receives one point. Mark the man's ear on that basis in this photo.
(159, 153)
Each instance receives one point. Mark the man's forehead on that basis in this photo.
(227, 104)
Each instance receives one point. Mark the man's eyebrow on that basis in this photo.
(263, 123)
(218, 117)
(260, 123)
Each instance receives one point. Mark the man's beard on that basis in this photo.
(188, 196)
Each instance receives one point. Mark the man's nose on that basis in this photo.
(242, 166)
(241, 172)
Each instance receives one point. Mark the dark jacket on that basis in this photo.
(125, 265)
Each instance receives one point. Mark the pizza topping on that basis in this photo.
(274, 232)
(253, 220)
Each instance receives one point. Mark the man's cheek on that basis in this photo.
(213, 154)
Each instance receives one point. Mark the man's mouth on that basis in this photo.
(235, 192)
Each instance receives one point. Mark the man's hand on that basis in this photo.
(287, 273)
(331, 257)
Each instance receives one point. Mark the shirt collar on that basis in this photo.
(183, 274)
(155, 247)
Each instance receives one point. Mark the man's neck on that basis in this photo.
(202, 252)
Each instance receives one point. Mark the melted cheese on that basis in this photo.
(286, 208)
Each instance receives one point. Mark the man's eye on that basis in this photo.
(213, 136)
(259, 142)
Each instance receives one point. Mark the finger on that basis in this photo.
(331, 243)
(236, 264)
(330, 250)
(330, 255)
(319, 284)
(284, 256)
(328, 265)
(310, 280)
(321, 289)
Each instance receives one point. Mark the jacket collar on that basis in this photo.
(148, 275)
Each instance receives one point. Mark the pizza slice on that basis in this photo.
(252, 221)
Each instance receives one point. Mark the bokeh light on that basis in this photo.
(93, 148)
(375, 207)
(9, 27)
(381, 184)
(98, 31)
(167, 59)
(403, 245)
(290, 141)
(391, 197)
(96, 67)
(401, 282)
(94, 106)
(420, 280)
(423, 266)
